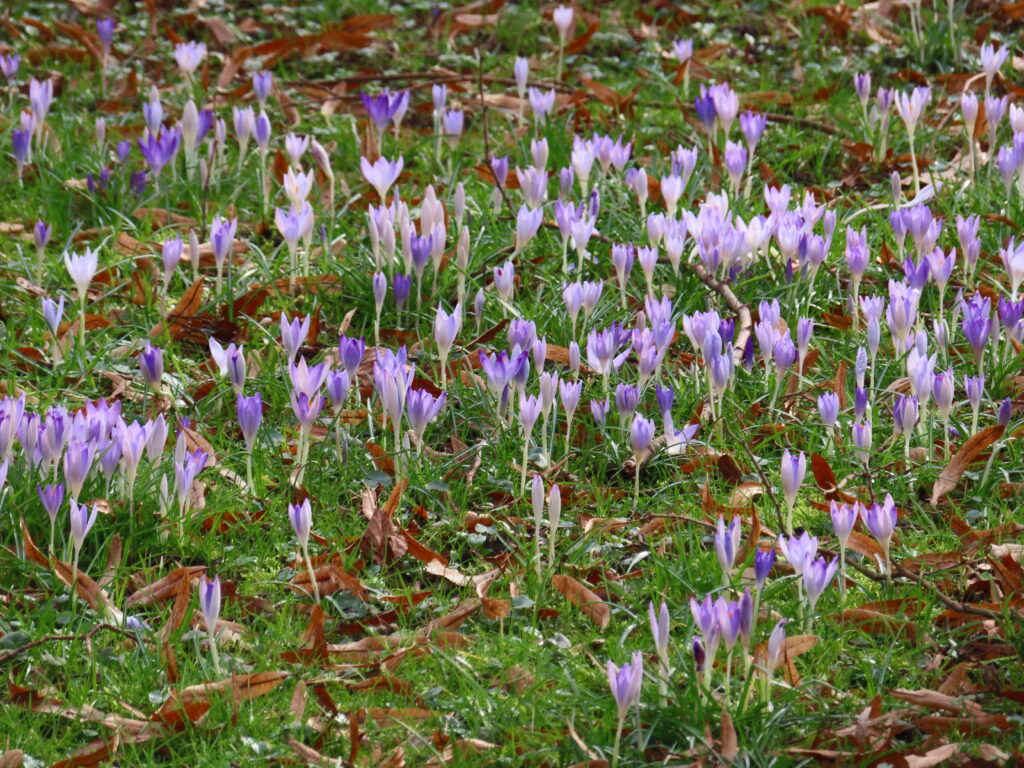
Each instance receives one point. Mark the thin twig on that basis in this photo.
(87, 637)
(737, 306)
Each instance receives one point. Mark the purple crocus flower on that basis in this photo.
(250, 414)
(350, 352)
(627, 397)
(844, 516)
(764, 559)
(222, 237)
(880, 520)
(158, 150)
(51, 497)
(625, 682)
(977, 324)
(452, 122)
(422, 408)
(727, 545)
(705, 107)
(799, 550)
(337, 386)
(81, 521)
(380, 108)
(828, 408)
(209, 602)
(794, 467)
(641, 433)
(293, 334)
(230, 362)
(262, 82)
(151, 366)
(105, 32)
(21, 142)
(189, 55)
(9, 65)
(381, 174)
(401, 285)
(301, 518)
(306, 409)
(816, 576)
(77, 463)
(40, 97)
(53, 312)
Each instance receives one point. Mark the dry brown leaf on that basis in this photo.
(963, 458)
(730, 746)
(580, 595)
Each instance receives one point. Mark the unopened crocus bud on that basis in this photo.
(727, 545)
(574, 357)
(862, 441)
(641, 433)
(380, 290)
(209, 602)
(478, 305)
(828, 408)
(301, 518)
(764, 559)
(401, 285)
(1005, 412)
(860, 402)
(250, 413)
(794, 467)
(504, 280)
(53, 312)
(262, 82)
(151, 366)
(521, 70)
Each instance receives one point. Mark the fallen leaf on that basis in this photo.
(580, 595)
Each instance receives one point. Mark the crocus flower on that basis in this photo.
(151, 366)
(625, 682)
(21, 143)
(189, 55)
(422, 408)
(82, 269)
(764, 559)
(528, 221)
(452, 123)
(77, 463)
(40, 97)
(563, 16)
(262, 82)
(230, 362)
(9, 65)
(880, 520)
(727, 544)
(504, 280)
(301, 518)
(53, 311)
(641, 433)
(799, 550)
(293, 334)
(250, 414)
(816, 576)
(381, 174)
(793, 470)
(159, 149)
(209, 602)
(81, 522)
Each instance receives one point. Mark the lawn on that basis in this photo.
(593, 385)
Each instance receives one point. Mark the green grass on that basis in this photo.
(522, 682)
